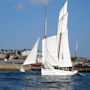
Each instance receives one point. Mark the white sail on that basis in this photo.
(62, 25)
(31, 58)
(64, 54)
(62, 22)
(62, 39)
(49, 51)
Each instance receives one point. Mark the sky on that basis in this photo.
(22, 22)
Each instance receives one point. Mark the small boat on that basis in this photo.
(22, 69)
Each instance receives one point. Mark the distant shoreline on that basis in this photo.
(16, 67)
(12, 59)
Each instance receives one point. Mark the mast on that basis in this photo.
(45, 23)
(76, 49)
(45, 32)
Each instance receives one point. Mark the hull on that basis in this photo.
(57, 72)
(22, 69)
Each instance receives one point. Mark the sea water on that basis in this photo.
(15, 80)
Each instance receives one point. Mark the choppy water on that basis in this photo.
(15, 80)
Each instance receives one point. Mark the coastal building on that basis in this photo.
(25, 52)
(2, 56)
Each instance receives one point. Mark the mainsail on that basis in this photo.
(62, 39)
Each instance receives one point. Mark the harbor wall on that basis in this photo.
(10, 66)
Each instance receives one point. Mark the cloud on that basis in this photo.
(20, 7)
(39, 1)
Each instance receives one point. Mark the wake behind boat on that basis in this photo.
(55, 49)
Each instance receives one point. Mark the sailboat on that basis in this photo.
(55, 49)
(32, 57)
